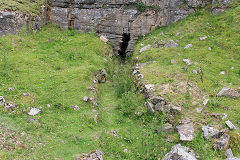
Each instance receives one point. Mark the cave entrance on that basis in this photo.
(124, 45)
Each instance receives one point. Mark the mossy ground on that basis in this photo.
(223, 37)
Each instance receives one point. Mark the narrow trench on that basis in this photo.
(124, 45)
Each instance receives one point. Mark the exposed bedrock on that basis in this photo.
(117, 19)
(13, 22)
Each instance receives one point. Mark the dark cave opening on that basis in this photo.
(124, 45)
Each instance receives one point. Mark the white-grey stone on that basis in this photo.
(203, 38)
(209, 48)
(195, 72)
(150, 107)
(168, 127)
(224, 116)
(175, 109)
(26, 94)
(85, 98)
(222, 72)
(145, 48)
(2, 100)
(230, 125)
(173, 61)
(75, 107)
(188, 46)
(230, 155)
(48, 105)
(228, 92)
(205, 102)
(186, 132)
(34, 111)
(199, 109)
(170, 44)
(210, 132)
(178, 33)
(11, 88)
(187, 61)
(232, 68)
(179, 152)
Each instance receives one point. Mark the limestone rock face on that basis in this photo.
(12, 22)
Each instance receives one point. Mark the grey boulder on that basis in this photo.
(179, 152)
(228, 92)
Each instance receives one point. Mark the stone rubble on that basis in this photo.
(186, 131)
(95, 155)
(210, 132)
(187, 61)
(223, 142)
(179, 152)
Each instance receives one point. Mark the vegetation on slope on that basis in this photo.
(22, 6)
(218, 52)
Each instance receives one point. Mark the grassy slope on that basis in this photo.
(56, 73)
(224, 38)
(59, 73)
(23, 6)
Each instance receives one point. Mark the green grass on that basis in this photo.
(223, 38)
(22, 6)
(56, 67)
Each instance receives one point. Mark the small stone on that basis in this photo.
(232, 68)
(85, 98)
(149, 90)
(75, 107)
(30, 119)
(228, 92)
(125, 150)
(150, 107)
(230, 125)
(104, 39)
(224, 116)
(222, 72)
(9, 107)
(223, 142)
(199, 109)
(210, 132)
(162, 34)
(173, 61)
(141, 45)
(96, 118)
(179, 152)
(186, 132)
(188, 46)
(140, 76)
(205, 102)
(157, 99)
(175, 110)
(94, 110)
(168, 127)
(230, 155)
(209, 48)
(203, 38)
(48, 105)
(34, 111)
(187, 61)
(178, 33)
(26, 94)
(145, 48)
(11, 88)
(2, 100)
(195, 72)
(170, 44)
(195, 63)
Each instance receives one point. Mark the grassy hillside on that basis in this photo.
(23, 6)
(176, 81)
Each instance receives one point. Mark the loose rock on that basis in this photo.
(210, 132)
(85, 98)
(157, 99)
(104, 39)
(223, 142)
(187, 61)
(95, 155)
(145, 48)
(188, 46)
(170, 44)
(179, 152)
(230, 125)
(186, 132)
(229, 155)
(34, 111)
(2, 100)
(203, 38)
(228, 92)
(75, 107)
(150, 106)
(173, 61)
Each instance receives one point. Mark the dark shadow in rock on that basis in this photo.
(124, 45)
